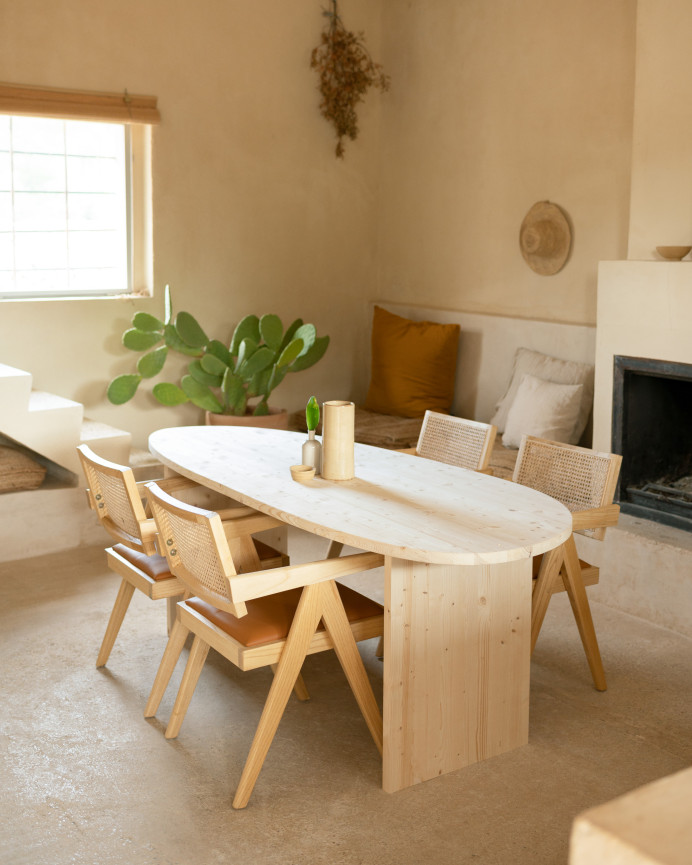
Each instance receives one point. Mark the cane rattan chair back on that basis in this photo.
(584, 481)
(114, 496)
(456, 441)
(258, 618)
(580, 478)
(196, 548)
(117, 499)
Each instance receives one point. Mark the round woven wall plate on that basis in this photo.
(545, 238)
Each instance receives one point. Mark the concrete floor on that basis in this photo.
(85, 779)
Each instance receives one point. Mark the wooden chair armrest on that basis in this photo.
(178, 483)
(595, 518)
(149, 537)
(171, 484)
(244, 587)
(248, 525)
(236, 512)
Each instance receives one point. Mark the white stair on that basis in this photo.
(53, 426)
(107, 441)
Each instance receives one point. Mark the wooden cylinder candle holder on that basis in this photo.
(338, 425)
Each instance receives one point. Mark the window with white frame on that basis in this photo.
(74, 203)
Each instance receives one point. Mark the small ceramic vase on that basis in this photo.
(312, 452)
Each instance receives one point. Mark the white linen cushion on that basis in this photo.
(528, 362)
(544, 409)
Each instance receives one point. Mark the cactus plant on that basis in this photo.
(220, 379)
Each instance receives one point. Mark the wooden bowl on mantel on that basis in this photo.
(673, 253)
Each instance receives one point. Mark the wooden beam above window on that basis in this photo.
(78, 104)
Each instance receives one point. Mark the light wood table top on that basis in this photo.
(398, 505)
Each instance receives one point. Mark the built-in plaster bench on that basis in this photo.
(486, 355)
(372, 428)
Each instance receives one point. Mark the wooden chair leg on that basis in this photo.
(574, 585)
(174, 647)
(334, 551)
(542, 589)
(195, 662)
(122, 602)
(299, 688)
(339, 629)
(171, 613)
(306, 619)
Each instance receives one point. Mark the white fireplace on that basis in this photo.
(644, 311)
(652, 420)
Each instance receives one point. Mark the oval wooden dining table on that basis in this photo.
(458, 547)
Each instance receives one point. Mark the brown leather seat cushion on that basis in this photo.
(155, 567)
(265, 552)
(269, 619)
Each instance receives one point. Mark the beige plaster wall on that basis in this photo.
(497, 104)
(661, 206)
(645, 304)
(252, 212)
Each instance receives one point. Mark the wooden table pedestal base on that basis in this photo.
(457, 656)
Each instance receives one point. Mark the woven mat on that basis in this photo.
(19, 471)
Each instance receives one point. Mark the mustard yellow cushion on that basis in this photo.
(413, 365)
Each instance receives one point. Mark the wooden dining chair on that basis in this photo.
(584, 480)
(455, 441)
(117, 500)
(258, 618)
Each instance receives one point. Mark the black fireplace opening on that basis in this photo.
(652, 429)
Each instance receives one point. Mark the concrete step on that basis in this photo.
(646, 570)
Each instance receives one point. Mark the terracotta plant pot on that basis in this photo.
(276, 419)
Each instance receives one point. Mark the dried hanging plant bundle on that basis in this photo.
(347, 72)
